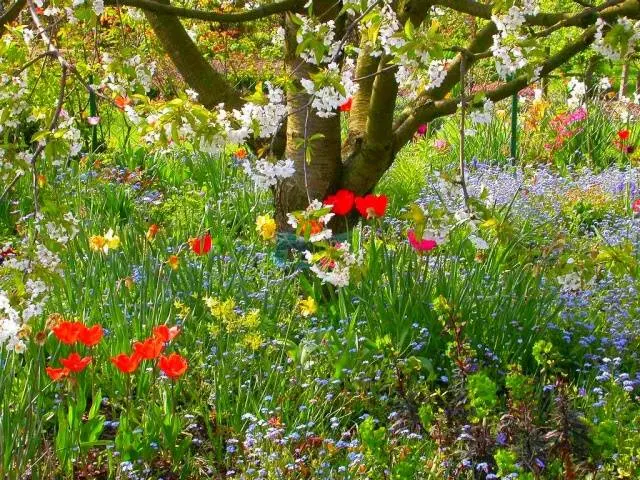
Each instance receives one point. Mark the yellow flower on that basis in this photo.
(307, 306)
(97, 243)
(266, 227)
(174, 262)
(113, 241)
(251, 320)
(252, 340)
(183, 310)
(223, 310)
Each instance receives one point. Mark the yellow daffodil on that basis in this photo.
(97, 243)
(266, 227)
(113, 241)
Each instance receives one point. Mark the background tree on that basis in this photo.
(354, 57)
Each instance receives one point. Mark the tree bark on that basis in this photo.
(318, 177)
(624, 79)
(198, 73)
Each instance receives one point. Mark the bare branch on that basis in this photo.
(239, 17)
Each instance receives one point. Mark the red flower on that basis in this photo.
(173, 366)
(422, 245)
(201, 245)
(75, 363)
(342, 201)
(346, 106)
(371, 206)
(122, 102)
(422, 129)
(165, 334)
(126, 363)
(68, 332)
(636, 206)
(152, 231)
(91, 336)
(623, 134)
(149, 349)
(56, 374)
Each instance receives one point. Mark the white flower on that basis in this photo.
(98, 6)
(484, 116)
(478, 242)
(266, 174)
(437, 72)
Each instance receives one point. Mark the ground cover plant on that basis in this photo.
(406, 246)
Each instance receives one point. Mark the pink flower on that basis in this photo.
(422, 245)
(422, 129)
(93, 121)
(636, 206)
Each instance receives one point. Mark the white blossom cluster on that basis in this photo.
(265, 174)
(97, 5)
(600, 45)
(577, 91)
(509, 57)
(144, 71)
(9, 325)
(323, 33)
(484, 116)
(510, 22)
(437, 72)
(13, 103)
(326, 98)
(336, 272)
(607, 50)
(388, 38)
(267, 118)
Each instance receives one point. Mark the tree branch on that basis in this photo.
(434, 109)
(237, 17)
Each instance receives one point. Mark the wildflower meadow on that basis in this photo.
(293, 239)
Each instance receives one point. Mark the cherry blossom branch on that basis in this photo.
(434, 109)
(239, 17)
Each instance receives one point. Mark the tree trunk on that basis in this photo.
(318, 177)
(589, 75)
(624, 79)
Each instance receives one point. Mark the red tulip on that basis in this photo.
(342, 201)
(68, 332)
(422, 129)
(173, 366)
(371, 206)
(201, 245)
(91, 336)
(346, 106)
(56, 374)
(75, 363)
(126, 363)
(149, 349)
(623, 134)
(636, 206)
(166, 334)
